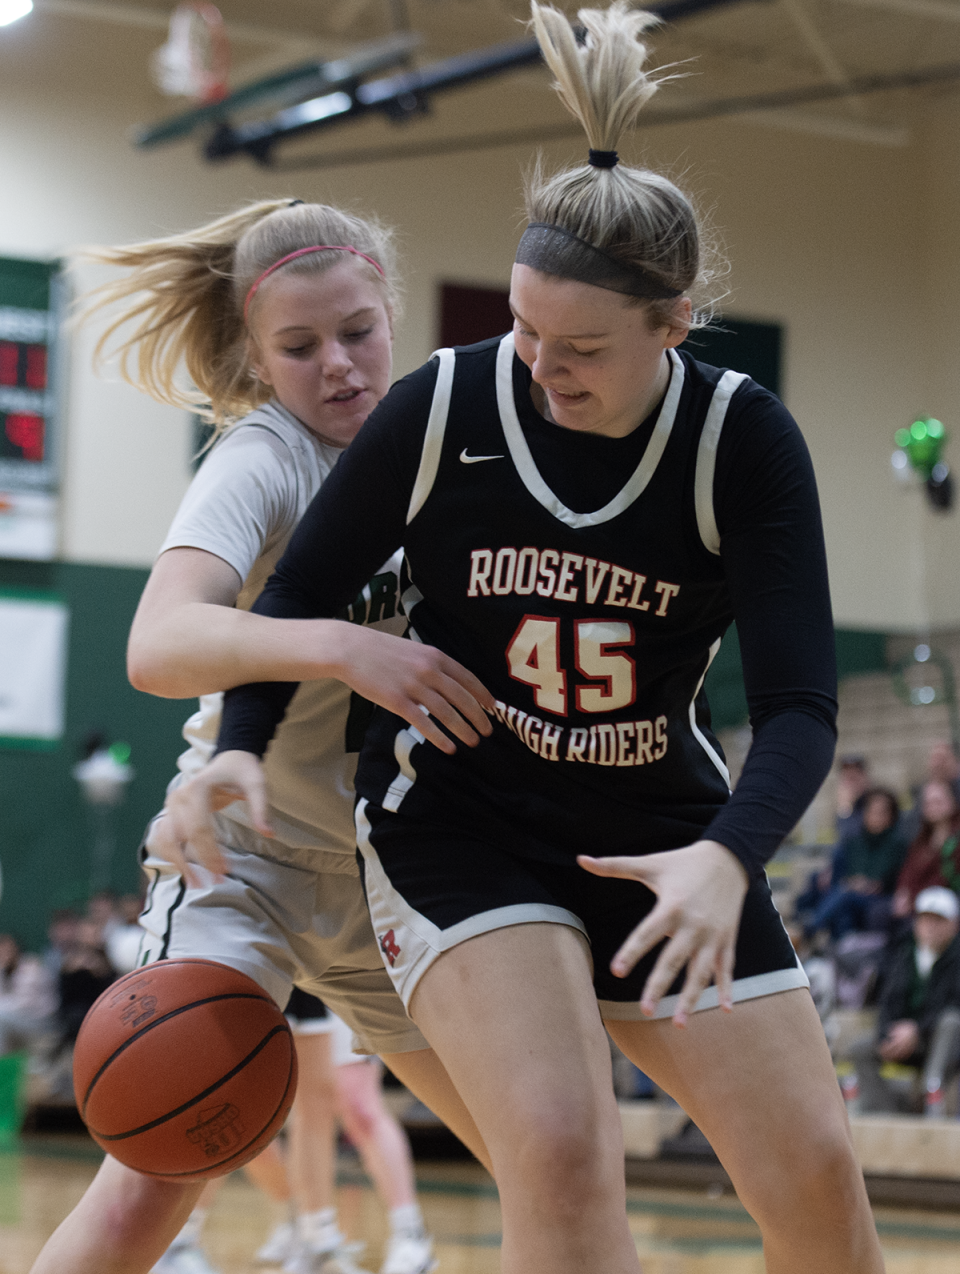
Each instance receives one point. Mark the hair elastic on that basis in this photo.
(302, 252)
(603, 158)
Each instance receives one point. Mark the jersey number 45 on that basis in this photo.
(533, 657)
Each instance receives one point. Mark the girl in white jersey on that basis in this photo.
(584, 509)
(282, 314)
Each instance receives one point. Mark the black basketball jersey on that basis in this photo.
(582, 580)
(593, 630)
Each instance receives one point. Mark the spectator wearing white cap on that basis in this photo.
(918, 1022)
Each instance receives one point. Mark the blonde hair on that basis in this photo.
(633, 214)
(186, 296)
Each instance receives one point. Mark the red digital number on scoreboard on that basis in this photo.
(23, 366)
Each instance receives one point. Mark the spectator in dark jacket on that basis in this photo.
(852, 786)
(918, 1021)
(84, 974)
(865, 870)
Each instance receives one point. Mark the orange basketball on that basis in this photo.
(184, 1069)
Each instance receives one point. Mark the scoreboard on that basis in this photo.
(30, 319)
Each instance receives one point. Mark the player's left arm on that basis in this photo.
(773, 556)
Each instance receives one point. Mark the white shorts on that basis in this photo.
(341, 1037)
(284, 917)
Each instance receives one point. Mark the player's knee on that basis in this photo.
(824, 1181)
(561, 1153)
(359, 1120)
(134, 1219)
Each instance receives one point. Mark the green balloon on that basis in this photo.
(923, 442)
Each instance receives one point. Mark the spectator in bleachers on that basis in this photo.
(852, 786)
(102, 910)
(933, 857)
(27, 997)
(918, 1020)
(84, 974)
(61, 935)
(942, 767)
(864, 870)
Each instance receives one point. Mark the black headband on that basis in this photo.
(553, 250)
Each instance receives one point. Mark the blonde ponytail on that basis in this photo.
(185, 294)
(636, 217)
(602, 81)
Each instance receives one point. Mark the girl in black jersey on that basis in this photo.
(584, 511)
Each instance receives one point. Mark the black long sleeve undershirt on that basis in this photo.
(773, 558)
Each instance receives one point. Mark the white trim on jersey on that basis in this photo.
(403, 745)
(413, 942)
(409, 598)
(727, 386)
(752, 988)
(433, 439)
(697, 732)
(530, 474)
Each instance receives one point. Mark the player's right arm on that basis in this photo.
(189, 639)
(355, 522)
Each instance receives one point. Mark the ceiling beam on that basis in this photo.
(829, 63)
(761, 107)
(942, 10)
(135, 15)
(401, 97)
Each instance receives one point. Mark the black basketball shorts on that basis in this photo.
(429, 888)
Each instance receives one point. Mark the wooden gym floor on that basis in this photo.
(677, 1232)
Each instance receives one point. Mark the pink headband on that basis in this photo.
(302, 252)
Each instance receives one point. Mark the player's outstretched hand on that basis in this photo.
(184, 833)
(700, 891)
(414, 680)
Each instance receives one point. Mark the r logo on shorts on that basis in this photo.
(389, 947)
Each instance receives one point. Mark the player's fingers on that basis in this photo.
(624, 868)
(469, 703)
(651, 930)
(254, 791)
(470, 686)
(723, 973)
(442, 711)
(164, 843)
(700, 970)
(190, 825)
(669, 965)
(418, 717)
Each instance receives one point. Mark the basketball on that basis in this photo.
(184, 1069)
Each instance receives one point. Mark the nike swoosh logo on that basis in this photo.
(465, 459)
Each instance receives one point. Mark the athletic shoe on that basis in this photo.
(409, 1254)
(184, 1258)
(280, 1245)
(338, 1260)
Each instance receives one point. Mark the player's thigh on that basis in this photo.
(514, 1018)
(759, 1082)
